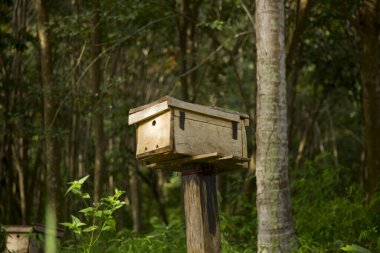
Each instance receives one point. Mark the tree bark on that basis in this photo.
(98, 127)
(187, 26)
(275, 224)
(134, 184)
(52, 150)
(368, 30)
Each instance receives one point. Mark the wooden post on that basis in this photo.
(201, 208)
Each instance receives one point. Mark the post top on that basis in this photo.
(165, 103)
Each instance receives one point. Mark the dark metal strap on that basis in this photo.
(182, 120)
(234, 130)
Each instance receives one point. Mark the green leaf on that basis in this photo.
(111, 223)
(66, 224)
(90, 229)
(77, 222)
(106, 228)
(118, 193)
(87, 210)
(76, 186)
(86, 196)
(98, 213)
(355, 249)
(83, 179)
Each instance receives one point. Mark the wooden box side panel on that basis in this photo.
(203, 134)
(155, 135)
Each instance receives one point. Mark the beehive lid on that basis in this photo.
(39, 228)
(18, 229)
(147, 111)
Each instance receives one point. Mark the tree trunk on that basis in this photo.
(52, 150)
(187, 25)
(97, 114)
(134, 185)
(275, 224)
(368, 30)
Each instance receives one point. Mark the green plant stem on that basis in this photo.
(101, 229)
(92, 232)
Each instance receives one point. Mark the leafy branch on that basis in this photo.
(97, 217)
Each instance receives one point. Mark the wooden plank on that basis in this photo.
(242, 115)
(163, 157)
(189, 159)
(143, 112)
(147, 113)
(201, 209)
(153, 154)
(203, 118)
(18, 229)
(200, 138)
(143, 107)
(232, 158)
(229, 163)
(154, 135)
(221, 163)
(206, 110)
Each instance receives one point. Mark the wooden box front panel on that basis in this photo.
(203, 134)
(18, 242)
(154, 135)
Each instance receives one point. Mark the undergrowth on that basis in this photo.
(329, 210)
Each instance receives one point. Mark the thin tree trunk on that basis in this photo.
(134, 185)
(183, 26)
(333, 137)
(367, 28)
(187, 26)
(98, 127)
(52, 149)
(275, 223)
(18, 136)
(370, 77)
(152, 183)
(17, 163)
(307, 135)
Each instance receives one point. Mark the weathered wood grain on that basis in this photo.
(149, 110)
(147, 113)
(202, 138)
(201, 208)
(154, 135)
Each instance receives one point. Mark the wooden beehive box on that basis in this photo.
(171, 132)
(20, 238)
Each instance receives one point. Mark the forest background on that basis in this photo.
(64, 113)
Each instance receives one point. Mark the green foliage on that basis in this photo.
(96, 218)
(355, 249)
(329, 209)
(161, 239)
